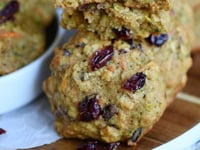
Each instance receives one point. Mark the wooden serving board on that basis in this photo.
(180, 116)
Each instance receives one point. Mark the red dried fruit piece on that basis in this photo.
(157, 39)
(123, 34)
(2, 131)
(7, 13)
(89, 108)
(89, 146)
(101, 57)
(136, 82)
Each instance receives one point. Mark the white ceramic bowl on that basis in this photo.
(24, 85)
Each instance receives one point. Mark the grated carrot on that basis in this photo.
(9, 35)
(123, 63)
(111, 68)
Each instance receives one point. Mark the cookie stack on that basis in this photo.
(113, 80)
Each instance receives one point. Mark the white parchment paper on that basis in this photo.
(30, 126)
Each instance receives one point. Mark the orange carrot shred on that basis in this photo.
(9, 35)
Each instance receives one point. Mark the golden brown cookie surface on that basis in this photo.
(107, 17)
(150, 4)
(104, 90)
(115, 89)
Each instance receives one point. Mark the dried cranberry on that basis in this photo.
(136, 134)
(2, 131)
(89, 108)
(101, 57)
(123, 34)
(109, 111)
(89, 146)
(157, 39)
(136, 82)
(7, 13)
(112, 146)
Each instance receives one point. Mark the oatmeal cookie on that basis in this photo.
(149, 4)
(105, 18)
(18, 48)
(22, 32)
(106, 90)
